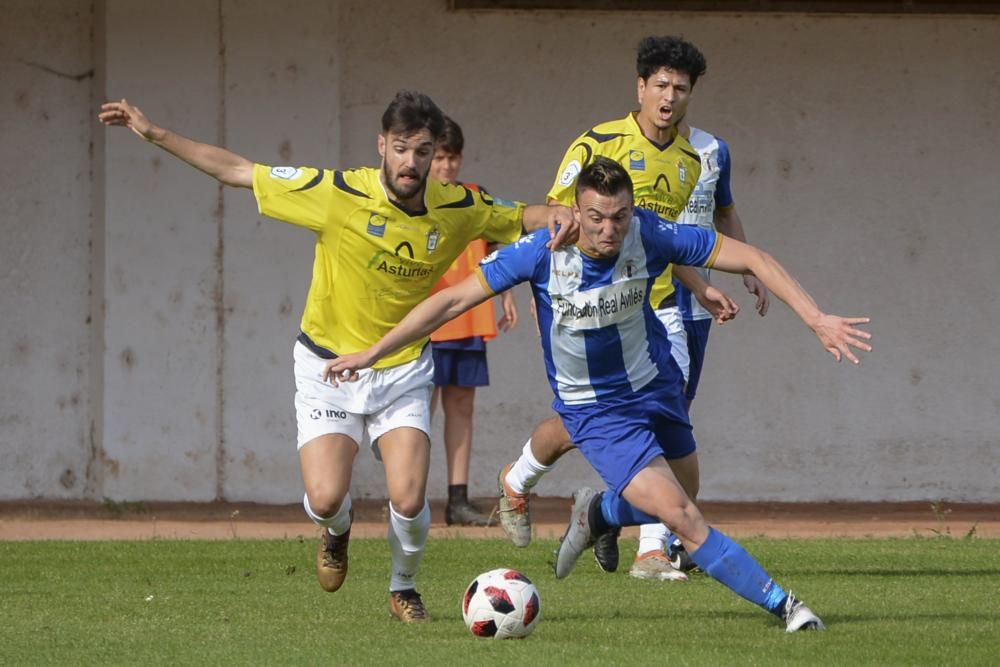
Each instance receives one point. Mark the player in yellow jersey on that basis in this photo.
(664, 169)
(383, 238)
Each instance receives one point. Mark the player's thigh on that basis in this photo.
(406, 456)
(399, 433)
(458, 402)
(686, 471)
(326, 463)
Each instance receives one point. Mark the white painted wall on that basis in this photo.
(862, 151)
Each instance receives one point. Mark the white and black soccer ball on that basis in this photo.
(501, 604)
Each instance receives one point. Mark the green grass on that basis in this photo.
(886, 602)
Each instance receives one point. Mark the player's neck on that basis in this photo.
(653, 133)
(410, 204)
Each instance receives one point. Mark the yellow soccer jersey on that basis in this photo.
(663, 176)
(374, 260)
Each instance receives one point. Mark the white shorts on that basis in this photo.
(383, 399)
(672, 320)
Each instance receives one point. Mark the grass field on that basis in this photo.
(886, 602)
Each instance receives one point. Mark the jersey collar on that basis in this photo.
(633, 119)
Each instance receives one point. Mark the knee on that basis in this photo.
(684, 519)
(408, 507)
(325, 501)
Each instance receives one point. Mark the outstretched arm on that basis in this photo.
(837, 334)
(728, 222)
(428, 315)
(225, 166)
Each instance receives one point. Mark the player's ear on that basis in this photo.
(381, 145)
(640, 87)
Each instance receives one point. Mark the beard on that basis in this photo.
(399, 190)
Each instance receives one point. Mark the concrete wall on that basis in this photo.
(147, 315)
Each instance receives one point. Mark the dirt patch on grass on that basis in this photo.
(47, 520)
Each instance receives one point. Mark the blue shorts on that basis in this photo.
(697, 337)
(620, 436)
(462, 368)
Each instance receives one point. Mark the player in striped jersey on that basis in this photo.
(608, 362)
(665, 170)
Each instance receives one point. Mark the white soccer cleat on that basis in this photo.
(800, 617)
(577, 537)
(655, 566)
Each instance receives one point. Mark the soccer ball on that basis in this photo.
(501, 604)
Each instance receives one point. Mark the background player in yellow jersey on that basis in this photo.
(664, 169)
(459, 348)
(383, 238)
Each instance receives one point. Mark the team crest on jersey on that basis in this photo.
(432, 240)
(489, 258)
(682, 173)
(571, 172)
(636, 161)
(376, 225)
(286, 173)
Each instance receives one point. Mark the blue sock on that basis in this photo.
(729, 564)
(618, 512)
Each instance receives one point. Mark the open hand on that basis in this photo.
(838, 335)
(124, 114)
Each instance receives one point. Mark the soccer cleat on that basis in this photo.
(799, 617)
(408, 607)
(577, 536)
(515, 518)
(655, 566)
(606, 549)
(331, 559)
(464, 514)
(680, 559)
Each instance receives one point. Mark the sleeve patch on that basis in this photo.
(286, 173)
(570, 173)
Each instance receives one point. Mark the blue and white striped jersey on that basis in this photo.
(600, 337)
(712, 192)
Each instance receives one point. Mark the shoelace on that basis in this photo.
(412, 606)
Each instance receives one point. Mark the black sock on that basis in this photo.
(458, 494)
(595, 517)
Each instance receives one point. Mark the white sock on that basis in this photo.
(339, 523)
(526, 471)
(407, 538)
(653, 537)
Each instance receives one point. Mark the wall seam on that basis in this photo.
(220, 276)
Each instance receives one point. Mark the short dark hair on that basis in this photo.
(604, 176)
(451, 140)
(411, 112)
(655, 53)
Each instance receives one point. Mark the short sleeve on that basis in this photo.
(293, 194)
(723, 189)
(686, 245)
(504, 222)
(563, 190)
(514, 264)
